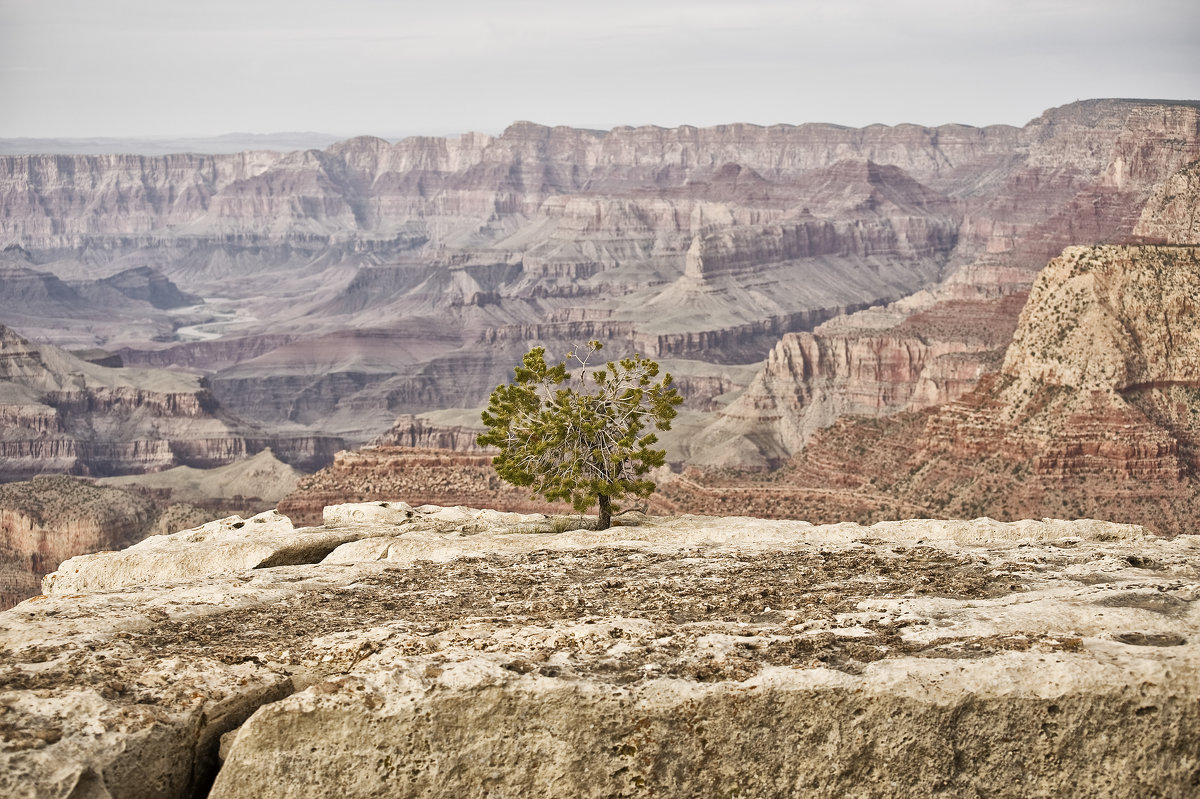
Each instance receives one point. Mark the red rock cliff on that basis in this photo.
(1095, 412)
(49, 519)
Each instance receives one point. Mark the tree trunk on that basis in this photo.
(605, 513)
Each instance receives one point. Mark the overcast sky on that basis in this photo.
(77, 68)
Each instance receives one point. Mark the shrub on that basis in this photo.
(580, 440)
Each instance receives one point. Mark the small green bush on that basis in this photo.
(584, 442)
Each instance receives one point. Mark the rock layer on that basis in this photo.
(63, 414)
(706, 244)
(1095, 411)
(916, 358)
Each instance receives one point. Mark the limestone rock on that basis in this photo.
(367, 513)
(481, 727)
(233, 544)
(689, 656)
(224, 546)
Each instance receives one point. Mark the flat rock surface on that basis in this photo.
(459, 652)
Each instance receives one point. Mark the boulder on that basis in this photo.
(224, 546)
(462, 724)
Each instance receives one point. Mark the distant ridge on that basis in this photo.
(287, 141)
(165, 145)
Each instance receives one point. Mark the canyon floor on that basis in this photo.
(447, 651)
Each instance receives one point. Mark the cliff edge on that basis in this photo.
(447, 651)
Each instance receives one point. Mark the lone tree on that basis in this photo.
(571, 439)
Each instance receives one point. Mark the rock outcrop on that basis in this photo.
(63, 414)
(50, 519)
(1103, 373)
(1095, 411)
(422, 432)
(1111, 319)
(416, 475)
(451, 652)
(1172, 214)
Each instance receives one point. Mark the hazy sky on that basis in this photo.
(387, 67)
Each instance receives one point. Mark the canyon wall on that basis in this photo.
(419, 432)
(336, 289)
(63, 414)
(933, 346)
(811, 379)
(1094, 411)
(49, 519)
(375, 190)
(370, 185)
(1172, 214)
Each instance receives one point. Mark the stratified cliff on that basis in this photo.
(932, 347)
(430, 189)
(371, 279)
(1095, 411)
(59, 413)
(919, 353)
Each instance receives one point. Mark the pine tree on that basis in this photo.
(582, 442)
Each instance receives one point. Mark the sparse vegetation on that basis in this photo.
(562, 524)
(580, 437)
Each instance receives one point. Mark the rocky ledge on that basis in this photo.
(455, 652)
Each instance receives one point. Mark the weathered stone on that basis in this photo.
(367, 513)
(691, 656)
(224, 546)
(462, 724)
